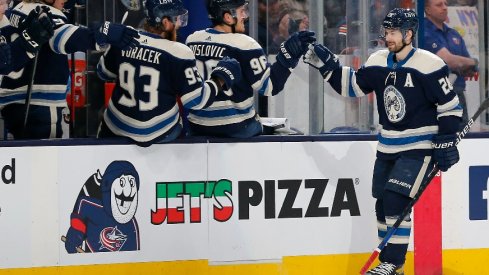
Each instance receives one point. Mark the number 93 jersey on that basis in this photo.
(149, 79)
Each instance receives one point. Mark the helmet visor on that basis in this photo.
(179, 15)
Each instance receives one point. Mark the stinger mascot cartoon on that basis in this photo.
(103, 218)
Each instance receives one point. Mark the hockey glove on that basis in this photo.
(74, 237)
(120, 36)
(229, 70)
(321, 58)
(5, 54)
(295, 46)
(445, 152)
(36, 29)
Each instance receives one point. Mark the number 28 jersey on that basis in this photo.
(149, 79)
(414, 98)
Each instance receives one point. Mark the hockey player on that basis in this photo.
(150, 77)
(419, 114)
(233, 114)
(52, 72)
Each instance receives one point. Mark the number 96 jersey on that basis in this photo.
(233, 109)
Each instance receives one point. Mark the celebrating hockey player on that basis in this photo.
(151, 77)
(419, 114)
(51, 75)
(232, 114)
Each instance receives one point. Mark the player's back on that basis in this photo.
(233, 109)
(150, 76)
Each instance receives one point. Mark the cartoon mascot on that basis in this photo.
(103, 218)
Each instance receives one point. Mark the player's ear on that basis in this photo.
(166, 23)
(228, 18)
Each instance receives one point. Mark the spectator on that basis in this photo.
(143, 106)
(448, 44)
(288, 23)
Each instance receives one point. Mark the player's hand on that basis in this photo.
(120, 36)
(321, 58)
(229, 70)
(445, 152)
(74, 239)
(36, 29)
(5, 54)
(294, 47)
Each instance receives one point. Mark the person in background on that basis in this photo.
(232, 114)
(48, 93)
(419, 116)
(449, 45)
(151, 77)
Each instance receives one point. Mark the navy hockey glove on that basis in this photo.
(295, 46)
(229, 70)
(5, 53)
(321, 58)
(74, 237)
(120, 36)
(445, 152)
(36, 29)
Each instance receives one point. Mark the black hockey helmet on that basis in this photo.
(402, 19)
(217, 8)
(156, 10)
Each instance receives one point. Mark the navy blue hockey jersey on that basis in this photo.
(233, 108)
(150, 78)
(51, 76)
(19, 56)
(103, 232)
(413, 95)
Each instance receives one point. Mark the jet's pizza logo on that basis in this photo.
(478, 195)
(178, 201)
(103, 218)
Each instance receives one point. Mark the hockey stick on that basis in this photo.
(29, 94)
(484, 105)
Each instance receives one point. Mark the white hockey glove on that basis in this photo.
(321, 58)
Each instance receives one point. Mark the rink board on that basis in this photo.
(262, 210)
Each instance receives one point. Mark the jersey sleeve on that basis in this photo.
(69, 38)
(194, 92)
(350, 83)
(440, 91)
(266, 79)
(19, 58)
(107, 65)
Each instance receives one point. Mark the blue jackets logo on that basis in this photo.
(478, 176)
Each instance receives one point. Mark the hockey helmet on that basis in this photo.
(156, 10)
(217, 8)
(402, 19)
